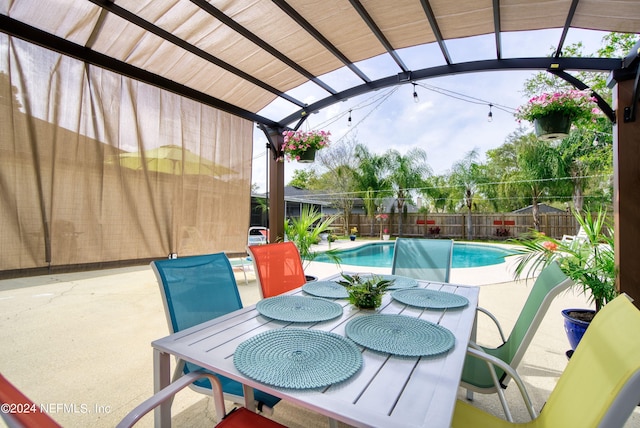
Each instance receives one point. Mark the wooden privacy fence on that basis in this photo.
(499, 226)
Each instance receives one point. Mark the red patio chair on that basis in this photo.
(21, 411)
(278, 267)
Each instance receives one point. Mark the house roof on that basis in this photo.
(543, 208)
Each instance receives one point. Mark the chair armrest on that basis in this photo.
(167, 393)
(495, 321)
(492, 362)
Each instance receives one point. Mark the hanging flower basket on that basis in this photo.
(302, 146)
(307, 156)
(553, 113)
(555, 125)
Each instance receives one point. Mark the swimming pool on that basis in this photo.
(380, 254)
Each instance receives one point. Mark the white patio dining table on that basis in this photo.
(387, 391)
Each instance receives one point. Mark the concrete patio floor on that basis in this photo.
(79, 343)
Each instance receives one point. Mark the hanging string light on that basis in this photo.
(415, 94)
(467, 98)
(490, 115)
(349, 120)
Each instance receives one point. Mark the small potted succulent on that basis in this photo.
(365, 292)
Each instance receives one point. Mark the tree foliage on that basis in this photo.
(405, 173)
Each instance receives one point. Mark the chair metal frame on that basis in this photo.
(235, 418)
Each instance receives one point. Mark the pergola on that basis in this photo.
(238, 57)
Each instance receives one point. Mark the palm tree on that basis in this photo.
(539, 167)
(405, 174)
(465, 175)
(369, 180)
(438, 191)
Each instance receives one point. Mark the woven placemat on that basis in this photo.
(398, 281)
(400, 335)
(298, 308)
(328, 289)
(297, 358)
(430, 299)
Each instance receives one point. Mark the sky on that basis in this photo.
(445, 127)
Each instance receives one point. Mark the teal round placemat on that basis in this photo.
(398, 281)
(297, 358)
(298, 309)
(400, 335)
(430, 299)
(329, 289)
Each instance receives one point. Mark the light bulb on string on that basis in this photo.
(490, 115)
(349, 120)
(415, 94)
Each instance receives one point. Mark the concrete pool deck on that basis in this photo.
(79, 343)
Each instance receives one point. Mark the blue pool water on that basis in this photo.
(381, 255)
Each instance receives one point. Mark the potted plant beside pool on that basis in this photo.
(588, 261)
(305, 232)
(385, 235)
(553, 113)
(353, 235)
(302, 145)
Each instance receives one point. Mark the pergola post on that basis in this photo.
(626, 192)
(276, 188)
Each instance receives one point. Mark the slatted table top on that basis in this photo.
(387, 391)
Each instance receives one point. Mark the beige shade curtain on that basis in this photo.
(96, 167)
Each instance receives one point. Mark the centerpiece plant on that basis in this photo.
(365, 292)
(302, 145)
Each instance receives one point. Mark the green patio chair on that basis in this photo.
(600, 386)
(424, 259)
(476, 377)
(194, 290)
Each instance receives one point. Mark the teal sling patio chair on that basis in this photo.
(600, 387)
(476, 376)
(194, 290)
(425, 259)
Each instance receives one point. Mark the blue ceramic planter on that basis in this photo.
(574, 328)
